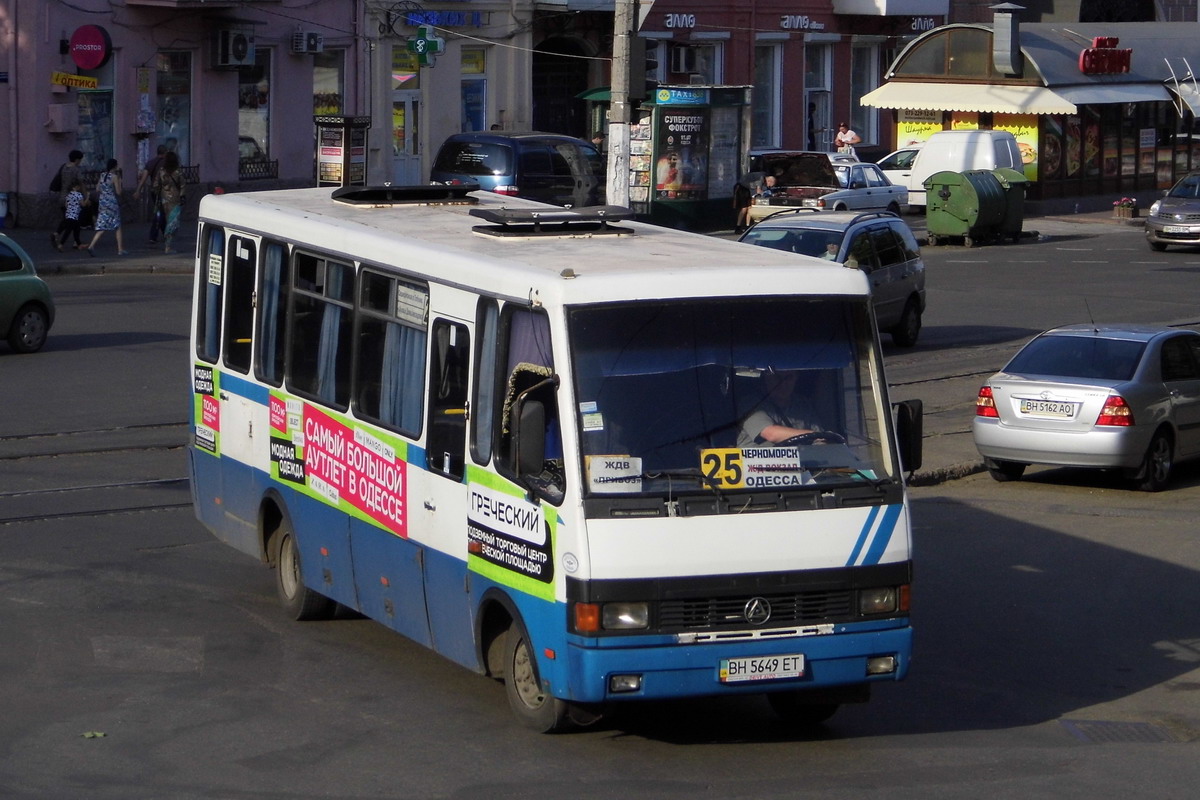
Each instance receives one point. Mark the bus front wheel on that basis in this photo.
(300, 602)
(534, 707)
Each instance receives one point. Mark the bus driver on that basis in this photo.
(777, 418)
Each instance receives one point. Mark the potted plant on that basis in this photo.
(1125, 207)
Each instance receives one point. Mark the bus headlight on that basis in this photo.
(877, 601)
(625, 616)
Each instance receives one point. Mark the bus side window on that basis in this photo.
(449, 360)
(483, 409)
(530, 363)
(321, 323)
(239, 302)
(390, 377)
(272, 317)
(212, 275)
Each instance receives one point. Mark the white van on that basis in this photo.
(958, 151)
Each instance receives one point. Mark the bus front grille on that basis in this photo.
(785, 609)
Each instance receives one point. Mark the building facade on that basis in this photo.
(233, 85)
(1101, 110)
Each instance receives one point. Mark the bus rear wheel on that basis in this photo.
(534, 707)
(300, 602)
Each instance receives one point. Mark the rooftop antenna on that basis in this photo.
(1090, 318)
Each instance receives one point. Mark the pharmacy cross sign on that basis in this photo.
(426, 44)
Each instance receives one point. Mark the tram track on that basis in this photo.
(94, 471)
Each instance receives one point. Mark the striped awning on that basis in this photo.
(968, 97)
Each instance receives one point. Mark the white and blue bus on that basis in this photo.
(532, 439)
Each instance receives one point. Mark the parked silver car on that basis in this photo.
(808, 179)
(1175, 219)
(1112, 396)
(877, 242)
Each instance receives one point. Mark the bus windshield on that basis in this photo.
(684, 395)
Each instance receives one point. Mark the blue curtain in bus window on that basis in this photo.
(529, 344)
(333, 378)
(485, 399)
(403, 377)
(331, 325)
(214, 277)
(529, 340)
(269, 352)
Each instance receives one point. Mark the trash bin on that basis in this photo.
(1013, 183)
(970, 204)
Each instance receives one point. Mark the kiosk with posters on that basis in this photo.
(341, 150)
(686, 152)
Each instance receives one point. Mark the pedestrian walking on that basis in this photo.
(168, 185)
(145, 187)
(68, 175)
(76, 200)
(109, 216)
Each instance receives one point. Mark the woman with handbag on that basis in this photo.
(108, 218)
(846, 139)
(168, 185)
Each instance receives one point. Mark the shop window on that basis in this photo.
(254, 106)
(329, 82)
(707, 65)
(406, 71)
(764, 121)
(474, 89)
(959, 53)
(173, 90)
(969, 54)
(95, 137)
(864, 72)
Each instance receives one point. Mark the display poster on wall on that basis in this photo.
(1024, 127)
(724, 167)
(914, 126)
(681, 169)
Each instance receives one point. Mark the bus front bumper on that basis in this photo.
(617, 669)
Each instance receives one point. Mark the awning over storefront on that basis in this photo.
(597, 94)
(1188, 95)
(969, 97)
(1113, 93)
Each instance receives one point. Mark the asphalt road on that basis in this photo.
(1056, 652)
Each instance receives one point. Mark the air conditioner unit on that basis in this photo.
(233, 47)
(683, 60)
(307, 42)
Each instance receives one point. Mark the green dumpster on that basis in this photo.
(1013, 183)
(970, 205)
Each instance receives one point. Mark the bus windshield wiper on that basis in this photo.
(878, 483)
(709, 482)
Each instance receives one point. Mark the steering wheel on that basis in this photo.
(813, 437)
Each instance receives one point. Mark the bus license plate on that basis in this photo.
(762, 668)
(1048, 408)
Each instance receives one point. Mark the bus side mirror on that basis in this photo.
(910, 430)
(530, 437)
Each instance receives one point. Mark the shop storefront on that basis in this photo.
(1101, 110)
(232, 95)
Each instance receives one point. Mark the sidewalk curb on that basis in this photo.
(940, 475)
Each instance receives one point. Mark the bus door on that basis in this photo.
(242, 402)
(443, 498)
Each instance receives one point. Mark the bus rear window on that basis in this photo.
(474, 158)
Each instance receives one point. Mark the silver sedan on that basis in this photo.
(1112, 397)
